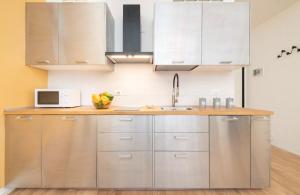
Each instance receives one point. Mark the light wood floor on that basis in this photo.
(285, 181)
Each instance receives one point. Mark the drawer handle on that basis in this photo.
(126, 138)
(126, 119)
(181, 138)
(181, 156)
(125, 156)
(43, 62)
(231, 119)
(261, 118)
(226, 62)
(69, 118)
(24, 118)
(82, 62)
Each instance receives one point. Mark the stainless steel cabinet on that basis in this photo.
(23, 155)
(177, 40)
(41, 33)
(82, 29)
(181, 170)
(260, 152)
(226, 33)
(230, 151)
(69, 152)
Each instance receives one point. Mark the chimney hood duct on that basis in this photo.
(131, 39)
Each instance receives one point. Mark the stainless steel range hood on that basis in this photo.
(131, 39)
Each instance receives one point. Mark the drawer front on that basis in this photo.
(124, 142)
(181, 170)
(181, 142)
(124, 123)
(181, 123)
(125, 170)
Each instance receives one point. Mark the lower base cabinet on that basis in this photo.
(125, 170)
(181, 170)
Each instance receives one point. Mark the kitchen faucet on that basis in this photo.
(175, 92)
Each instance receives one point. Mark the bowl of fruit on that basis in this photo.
(102, 100)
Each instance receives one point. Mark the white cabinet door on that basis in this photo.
(226, 33)
(177, 39)
(82, 33)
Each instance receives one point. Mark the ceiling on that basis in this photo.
(263, 10)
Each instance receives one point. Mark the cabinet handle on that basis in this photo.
(178, 62)
(125, 156)
(261, 118)
(126, 119)
(126, 138)
(68, 118)
(225, 62)
(181, 138)
(82, 61)
(43, 62)
(231, 119)
(24, 118)
(181, 156)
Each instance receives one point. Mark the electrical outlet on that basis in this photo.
(258, 72)
(118, 93)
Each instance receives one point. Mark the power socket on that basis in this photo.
(118, 93)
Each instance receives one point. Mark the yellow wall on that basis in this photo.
(17, 81)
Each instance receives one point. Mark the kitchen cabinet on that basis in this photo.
(230, 152)
(69, 36)
(260, 152)
(69, 152)
(181, 152)
(125, 152)
(23, 153)
(41, 33)
(177, 40)
(226, 33)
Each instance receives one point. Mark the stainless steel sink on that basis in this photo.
(177, 108)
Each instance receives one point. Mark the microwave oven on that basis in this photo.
(57, 98)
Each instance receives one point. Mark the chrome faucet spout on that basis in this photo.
(175, 92)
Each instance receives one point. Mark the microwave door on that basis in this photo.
(48, 98)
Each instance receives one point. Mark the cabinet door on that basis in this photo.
(260, 152)
(226, 33)
(82, 33)
(69, 152)
(177, 39)
(41, 33)
(23, 151)
(230, 152)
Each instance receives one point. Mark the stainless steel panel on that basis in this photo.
(125, 169)
(41, 33)
(82, 33)
(181, 123)
(125, 142)
(181, 142)
(226, 33)
(124, 123)
(230, 151)
(23, 155)
(260, 152)
(186, 170)
(177, 30)
(69, 152)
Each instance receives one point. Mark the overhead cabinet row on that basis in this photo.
(68, 33)
(188, 34)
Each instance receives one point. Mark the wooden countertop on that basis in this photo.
(141, 111)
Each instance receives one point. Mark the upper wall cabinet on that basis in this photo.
(41, 33)
(69, 35)
(226, 33)
(177, 32)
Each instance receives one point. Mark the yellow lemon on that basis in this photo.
(96, 98)
(105, 100)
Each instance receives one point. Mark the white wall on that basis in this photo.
(138, 83)
(279, 88)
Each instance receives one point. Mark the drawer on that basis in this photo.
(124, 141)
(181, 123)
(124, 123)
(181, 170)
(125, 170)
(181, 142)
